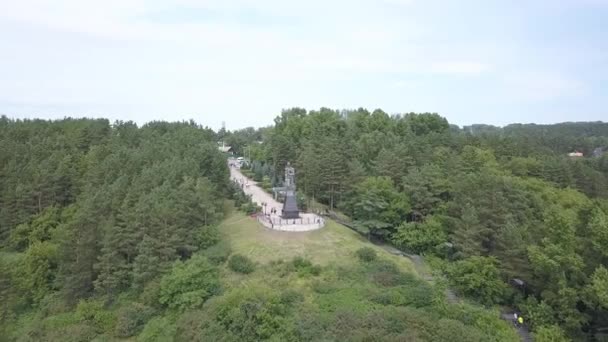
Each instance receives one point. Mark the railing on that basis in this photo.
(304, 223)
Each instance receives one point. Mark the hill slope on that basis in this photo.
(334, 243)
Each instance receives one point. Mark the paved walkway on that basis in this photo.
(522, 330)
(257, 194)
(306, 222)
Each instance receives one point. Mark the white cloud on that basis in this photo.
(256, 56)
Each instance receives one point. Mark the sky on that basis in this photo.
(241, 62)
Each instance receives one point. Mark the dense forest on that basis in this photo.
(506, 214)
(114, 231)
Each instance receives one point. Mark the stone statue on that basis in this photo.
(290, 177)
(290, 206)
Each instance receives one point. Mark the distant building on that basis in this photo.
(598, 152)
(575, 154)
(226, 149)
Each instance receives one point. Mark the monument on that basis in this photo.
(290, 206)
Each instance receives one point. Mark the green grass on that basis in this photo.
(333, 244)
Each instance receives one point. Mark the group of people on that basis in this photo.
(518, 319)
(242, 182)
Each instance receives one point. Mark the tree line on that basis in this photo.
(507, 214)
(110, 231)
(90, 208)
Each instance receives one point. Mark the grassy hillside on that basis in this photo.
(256, 284)
(338, 296)
(334, 244)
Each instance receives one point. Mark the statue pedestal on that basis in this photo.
(290, 207)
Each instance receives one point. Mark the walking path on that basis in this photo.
(522, 330)
(306, 222)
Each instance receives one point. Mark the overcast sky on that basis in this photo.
(241, 62)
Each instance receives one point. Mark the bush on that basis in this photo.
(386, 273)
(149, 296)
(199, 326)
(266, 184)
(79, 332)
(324, 287)
(250, 208)
(290, 296)
(300, 262)
(157, 329)
(451, 330)
(537, 314)
(420, 237)
(207, 236)
(552, 333)
(478, 277)
(305, 267)
(189, 284)
(131, 319)
(315, 270)
(254, 314)
(218, 253)
(417, 295)
(366, 254)
(241, 264)
(93, 313)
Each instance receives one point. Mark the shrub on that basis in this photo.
(290, 296)
(537, 314)
(189, 284)
(417, 295)
(551, 333)
(218, 253)
(282, 268)
(386, 273)
(93, 313)
(323, 287)
(478, 277)
(304, 266)
(315, 270)
(241, 264)
(366, 254)
(157, 329)
(207, 236)
(300, 262)
(250, 208)
(131, 319)
(420, 237)
(199, 326)
(79, 332)
(149, 296)
(254, 314)
(451, 330)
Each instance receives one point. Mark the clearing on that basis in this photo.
(334, 244)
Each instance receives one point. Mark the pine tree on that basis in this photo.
(117, 255)
(147, 263)
(80, 251)
(468, 235)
